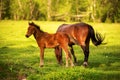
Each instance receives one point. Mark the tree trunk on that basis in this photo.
(77, 19)
(49, 10)
(0, 9)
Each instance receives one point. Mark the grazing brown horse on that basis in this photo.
(46, 40)
(80, 34)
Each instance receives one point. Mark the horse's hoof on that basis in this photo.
(60, 63)
(75, 61)
(85, 64)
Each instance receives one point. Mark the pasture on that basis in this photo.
(19, 56)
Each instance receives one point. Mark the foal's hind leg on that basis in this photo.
(72, 52)
(68, 55)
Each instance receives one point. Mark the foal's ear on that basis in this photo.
(30, 23)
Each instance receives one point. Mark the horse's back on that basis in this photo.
(77, 26)
(79, 31)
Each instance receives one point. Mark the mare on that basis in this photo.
(46, 40)
(80, 34)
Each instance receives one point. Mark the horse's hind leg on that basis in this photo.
(58, 53)
(86, 54)
(72, 52)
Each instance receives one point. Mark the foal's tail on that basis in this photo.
(97, 38)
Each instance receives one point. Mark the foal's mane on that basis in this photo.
(38, 27)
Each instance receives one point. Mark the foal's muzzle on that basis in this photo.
(26, 36)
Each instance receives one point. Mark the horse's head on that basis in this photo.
(31, 29)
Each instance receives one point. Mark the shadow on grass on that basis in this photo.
(104, 58)
(106, 61)
(14, 66)
(12, 71)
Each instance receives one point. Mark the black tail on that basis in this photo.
(97, 38)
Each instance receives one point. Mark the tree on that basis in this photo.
(79, 10)
(48, 10)
(4, 9)
(1, 9)
(108, 10)
(61, 10)
(27, 9)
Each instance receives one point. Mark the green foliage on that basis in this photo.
(30, 9)
(4, 9)
(108, 10)
(19, 56)
(42, 9)
(61, 10)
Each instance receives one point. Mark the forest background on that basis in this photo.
(19, 56)
(61, 10)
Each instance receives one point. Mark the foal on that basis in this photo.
(46, 40)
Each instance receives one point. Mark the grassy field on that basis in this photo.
(19, 56)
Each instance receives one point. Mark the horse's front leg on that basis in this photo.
(72, 52)
(41, 57)
(58, 53)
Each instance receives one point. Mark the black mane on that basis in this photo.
(38, 27)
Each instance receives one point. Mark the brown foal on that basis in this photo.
(46, 40)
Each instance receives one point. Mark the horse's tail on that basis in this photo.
(97, 38)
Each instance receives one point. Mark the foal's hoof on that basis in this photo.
(66, 66)
(85, 64)
(41, 65)
(72, 65)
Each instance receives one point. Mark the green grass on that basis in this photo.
(19, 56)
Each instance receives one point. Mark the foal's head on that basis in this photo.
(31, 29)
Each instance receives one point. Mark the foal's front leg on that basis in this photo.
(41, 57)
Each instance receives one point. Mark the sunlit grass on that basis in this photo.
(19, 56)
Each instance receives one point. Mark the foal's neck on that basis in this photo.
(38, 33)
